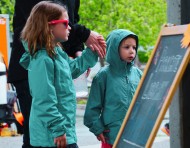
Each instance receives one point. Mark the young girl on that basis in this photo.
(50, 73)
(113, 87)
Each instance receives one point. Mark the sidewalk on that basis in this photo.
(85, 138)
(161, 140)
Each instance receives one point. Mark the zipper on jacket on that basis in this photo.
(127, 72)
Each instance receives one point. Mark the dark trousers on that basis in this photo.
(74, 145)
(25, 100)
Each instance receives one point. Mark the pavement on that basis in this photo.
(85, 138)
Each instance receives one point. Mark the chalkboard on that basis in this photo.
(155, 91)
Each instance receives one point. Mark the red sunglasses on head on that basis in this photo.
(65, 22)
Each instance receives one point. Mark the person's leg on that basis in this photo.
(166, 129)
(74, 145)
(167, 126)
(25, 100)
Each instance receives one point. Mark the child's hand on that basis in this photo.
(101, 137)
(96, 43)
(61, 141)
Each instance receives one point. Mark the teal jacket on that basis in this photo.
(53, 107)
(112, 90)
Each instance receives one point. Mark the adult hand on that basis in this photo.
(60, 141)
(96, 43)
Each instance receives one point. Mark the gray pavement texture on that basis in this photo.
(85, 138)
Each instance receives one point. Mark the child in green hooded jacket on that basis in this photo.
(50, 74)
(113, 87)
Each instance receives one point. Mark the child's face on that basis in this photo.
(60, 31)
(127, 49)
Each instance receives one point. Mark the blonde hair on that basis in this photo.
(37, 32)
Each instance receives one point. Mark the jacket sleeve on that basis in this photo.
(80, 64)
(76, 14)
(94, 107)
(81, 30)
(46, 103)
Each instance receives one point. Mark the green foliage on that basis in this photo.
(7, 7)
(144, 17)
(144, 55)
(81, 101)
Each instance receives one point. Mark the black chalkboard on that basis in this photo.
(163, 69)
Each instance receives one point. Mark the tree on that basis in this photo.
(144, 17)
(7, 7)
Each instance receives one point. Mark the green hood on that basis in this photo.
(112, 90)
(113, 41)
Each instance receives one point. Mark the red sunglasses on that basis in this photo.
(65, 22)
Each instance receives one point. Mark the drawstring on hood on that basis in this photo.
(113, 41)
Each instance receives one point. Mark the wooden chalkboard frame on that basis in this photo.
(165, 31)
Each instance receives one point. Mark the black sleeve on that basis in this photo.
(81, 32)
(76, 15)
(78, 36)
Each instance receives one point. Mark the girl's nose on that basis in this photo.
(69, 28)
